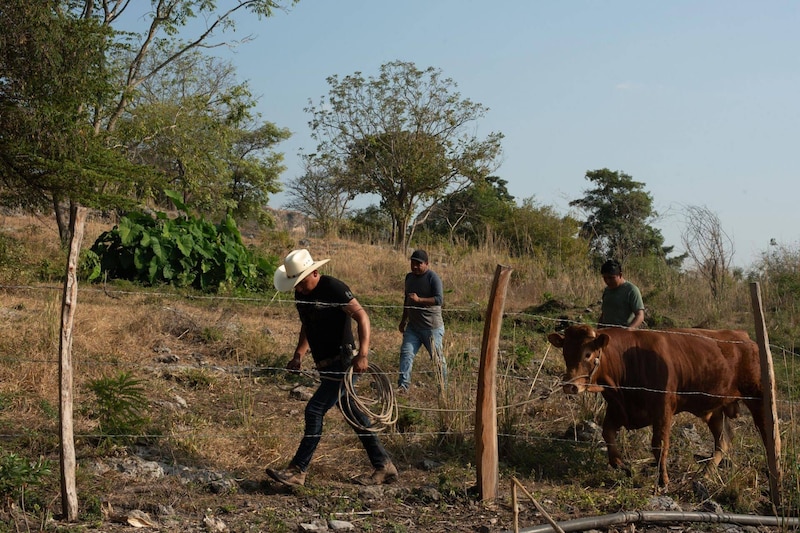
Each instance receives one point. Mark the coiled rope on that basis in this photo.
(381, 399)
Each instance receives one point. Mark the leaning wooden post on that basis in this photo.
(769, 408)
(69, 494)
(486, 402)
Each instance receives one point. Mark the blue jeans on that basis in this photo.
(326, 396)
(413, 339)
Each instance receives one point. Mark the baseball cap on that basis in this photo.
(420, 256)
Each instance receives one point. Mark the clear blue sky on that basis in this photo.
(698, 100)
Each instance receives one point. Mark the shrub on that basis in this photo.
(18, 473)
(12, 252)
(184, 251)
(120, 403)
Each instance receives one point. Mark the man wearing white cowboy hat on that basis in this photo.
(327, 307)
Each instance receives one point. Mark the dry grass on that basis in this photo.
(227, 368)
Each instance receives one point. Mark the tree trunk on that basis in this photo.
(69, 302)
(401, 236)
(63, 216)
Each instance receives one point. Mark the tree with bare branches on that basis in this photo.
(320, 196)
(709, 246)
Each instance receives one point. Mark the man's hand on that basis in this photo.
(360, 363)
(402, 327)
(294, 364)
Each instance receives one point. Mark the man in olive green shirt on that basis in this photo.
(622, 301)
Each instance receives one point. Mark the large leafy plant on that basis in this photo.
(184, 251)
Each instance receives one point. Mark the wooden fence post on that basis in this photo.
(769, 408)
(69, 301)
(486, 402)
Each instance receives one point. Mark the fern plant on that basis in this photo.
(120, 404)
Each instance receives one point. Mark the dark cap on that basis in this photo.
(420, 256)
(611, 267)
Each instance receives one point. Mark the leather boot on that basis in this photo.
(291, 476)
(385, 474)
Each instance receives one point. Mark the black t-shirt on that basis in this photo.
(328, 327)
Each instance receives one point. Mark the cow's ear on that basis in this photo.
(556, 339)
(600, 342)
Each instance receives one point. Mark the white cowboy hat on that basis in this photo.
(297, 265)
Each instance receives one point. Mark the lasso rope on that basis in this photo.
(384, 400)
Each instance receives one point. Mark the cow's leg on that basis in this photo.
(718, 425)
(610, 429)
(755, 408)
(660, 445)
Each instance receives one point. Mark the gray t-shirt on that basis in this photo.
(426, 285)
(620, 304)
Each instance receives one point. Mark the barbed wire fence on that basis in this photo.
(526, 384)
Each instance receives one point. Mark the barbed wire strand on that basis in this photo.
(275, 298)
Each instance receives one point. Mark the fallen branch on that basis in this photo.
(541, 509)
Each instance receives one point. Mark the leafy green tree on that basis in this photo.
(69, 77)
(54, 70)
(536, 230)
(403, 136)
(619, 214)
(370, 223)
(195, 124)
(469, 213)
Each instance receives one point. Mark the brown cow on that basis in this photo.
(647, 376)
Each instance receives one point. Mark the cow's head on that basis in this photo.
(582, 348)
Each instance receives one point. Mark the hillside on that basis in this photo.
(220, 408)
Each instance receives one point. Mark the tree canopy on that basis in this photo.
(537, 230)
(469, 213)
(619, 212)
(195, 124)
(403, 136)
(69, 78)
(54, 71)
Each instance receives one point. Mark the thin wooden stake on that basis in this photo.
(769, 407)
(69, 302)
(487, 463)
(515, 505)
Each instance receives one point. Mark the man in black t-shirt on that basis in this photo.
(327, 309)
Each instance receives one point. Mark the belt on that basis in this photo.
(325, 363)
